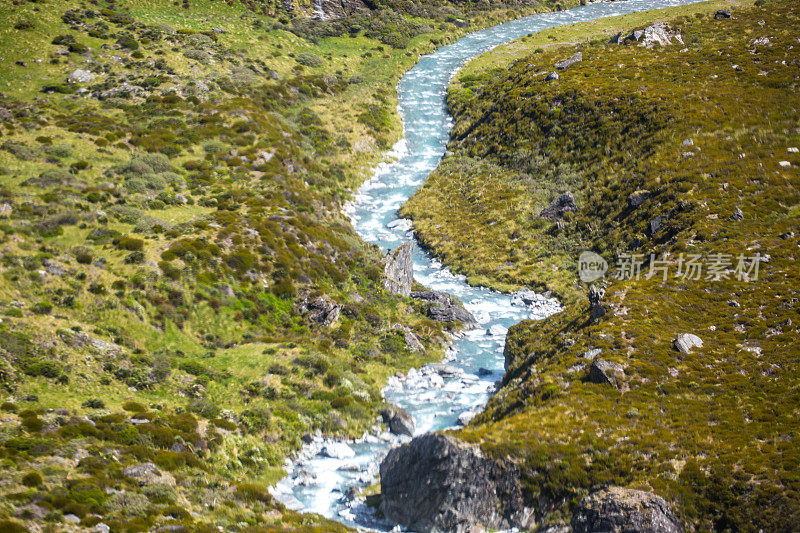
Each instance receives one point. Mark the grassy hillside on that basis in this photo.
(171, 180)
(682, 149)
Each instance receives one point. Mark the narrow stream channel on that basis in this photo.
(319, 478)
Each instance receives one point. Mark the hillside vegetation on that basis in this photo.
(680, 149)
(181, 298)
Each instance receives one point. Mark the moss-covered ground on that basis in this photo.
(708, 130)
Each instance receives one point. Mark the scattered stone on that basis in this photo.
(437, 483)
(591, 354)
(637, 198)
(398, 270)
(792, 150)
(597, 309)
(784, 164)
(761, 41)
(399, 421)
(686, 341)
(412, 341)
(737, 215)
(618, 510)
(482, 372)
(337, 450)
(80, 76)
(655, 224)
(659, 33)
(71, 518)
(617, 39)
(687, 143)
(559, 207)
(320, 311)
(219, 30)
(552, 76)
(466, 417)
(443, 369)
(102, 528)
(722, 14)
(566, 63)
(143, 473)
(606, 372)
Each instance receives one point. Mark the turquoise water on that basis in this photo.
(318, 482)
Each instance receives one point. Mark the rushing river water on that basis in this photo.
(319, 478)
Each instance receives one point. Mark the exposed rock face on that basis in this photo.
(602, 371)
(618, 510)
(566, 63)
(398, 270)
(445, 309)
(552, 76)
(399, 421)
(559, 207)
(436, 483)
(722, 14)
(686, 341)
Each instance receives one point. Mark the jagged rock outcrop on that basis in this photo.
(445, 308)
(437, 483)
(398, 270)
(618, 510)
(559, 207)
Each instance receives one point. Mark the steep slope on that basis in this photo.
(687, 149)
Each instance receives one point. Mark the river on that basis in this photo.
(319, 478)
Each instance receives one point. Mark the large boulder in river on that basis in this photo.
(445, 308)
(398, 270)
(437, 483)
(399, 421)
(618, 510)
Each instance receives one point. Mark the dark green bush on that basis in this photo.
(32, 479)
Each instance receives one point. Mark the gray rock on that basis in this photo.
(686, 341)
(143, 473)
(437, 483)
(445, 309)
(737, 215)
(320, 311)
(566, 63)
(71, 518)
(399, 421)
(559, 207)
(552, 76)
(398, 270)
(659, 33)
(338, 450)
(484, 372)
(80, 76)
(722, 14)
(597, 309)
(606, 372)
(637, 198)
(617, 39)
(443, 369)
(655, 224)
(591, 354)
(6, 210)
(101, 528)
(53, 268)
(618, 510)
(466, 417)
(412, 341)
